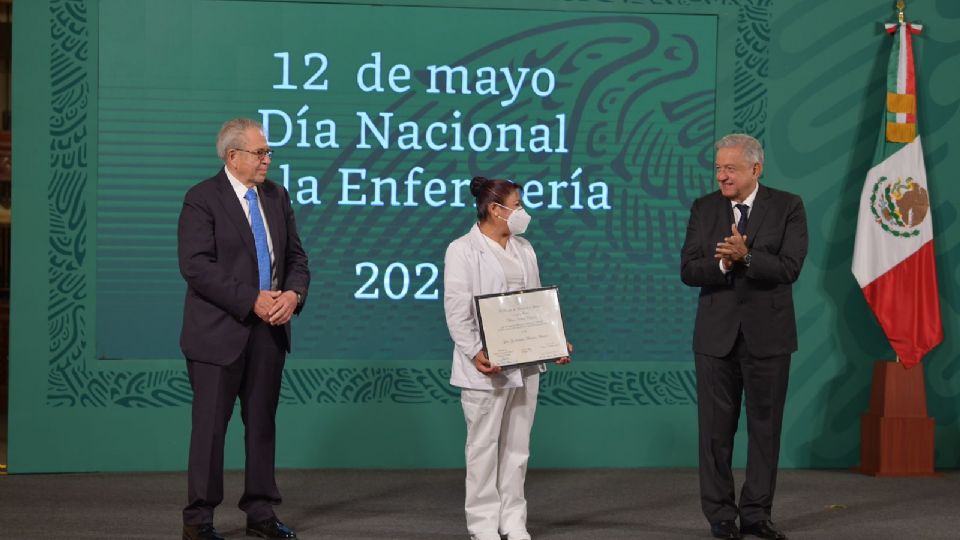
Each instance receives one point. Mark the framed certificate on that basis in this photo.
(521, 327)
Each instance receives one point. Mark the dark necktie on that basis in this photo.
(742, 224)
(260, 239)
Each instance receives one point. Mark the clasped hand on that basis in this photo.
(275, 307)
(732, 249)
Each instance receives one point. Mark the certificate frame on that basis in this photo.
(521, 327)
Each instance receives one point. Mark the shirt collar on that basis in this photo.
(749, 200)
(238, 188)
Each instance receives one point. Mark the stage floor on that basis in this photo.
(607, 504)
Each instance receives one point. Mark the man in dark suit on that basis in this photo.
(246, 275)
(744, 248)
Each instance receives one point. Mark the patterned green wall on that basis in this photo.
(807, 80)
(827, 92)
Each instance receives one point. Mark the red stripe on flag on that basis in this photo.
(907, 305)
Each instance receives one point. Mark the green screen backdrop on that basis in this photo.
(379, 115)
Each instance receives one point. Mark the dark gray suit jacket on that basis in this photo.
(757, 301)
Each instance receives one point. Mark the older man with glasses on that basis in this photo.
(744, 248)
(246, 275)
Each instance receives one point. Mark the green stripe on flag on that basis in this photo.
(886, 148)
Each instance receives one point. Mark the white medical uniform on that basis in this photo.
(498, 408)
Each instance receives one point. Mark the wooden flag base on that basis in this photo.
(896, 435)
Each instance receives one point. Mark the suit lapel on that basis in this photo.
(724, 215)
(761, 205)
(274, 214)
(487, 258)
(234, 211)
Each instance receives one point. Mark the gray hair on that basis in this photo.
(233, 134)
(751, 147)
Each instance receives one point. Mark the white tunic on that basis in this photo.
(471, 267)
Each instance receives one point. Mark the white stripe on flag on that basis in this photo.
(902, 68)
(876, 250)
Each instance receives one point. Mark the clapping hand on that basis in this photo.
(732, 249)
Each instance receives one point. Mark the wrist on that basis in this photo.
(747, 259)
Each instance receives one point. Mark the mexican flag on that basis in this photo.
(893, 258)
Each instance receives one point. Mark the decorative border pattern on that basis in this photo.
(68, 382)
(750, 73)
(71, 384)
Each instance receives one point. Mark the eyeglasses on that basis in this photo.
(261, 153)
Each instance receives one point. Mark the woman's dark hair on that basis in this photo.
(491, 190)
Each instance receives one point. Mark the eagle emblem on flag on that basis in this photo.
(899, 205)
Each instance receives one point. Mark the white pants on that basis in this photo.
(497, 450)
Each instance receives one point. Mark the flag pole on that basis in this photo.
(896, 433)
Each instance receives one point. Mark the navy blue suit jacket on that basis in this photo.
(218, 260)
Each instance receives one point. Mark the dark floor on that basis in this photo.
(3, 425)
(4, 392)
(427, 504)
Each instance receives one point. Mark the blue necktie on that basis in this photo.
(742, 223)
(260, 239)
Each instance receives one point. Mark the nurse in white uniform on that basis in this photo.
(498, 404)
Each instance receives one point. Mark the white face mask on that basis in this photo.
(518, 221)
